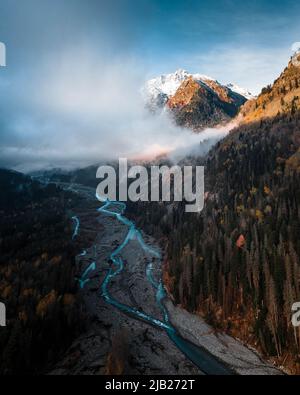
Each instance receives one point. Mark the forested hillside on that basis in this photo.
(237, 263)
(37, 275)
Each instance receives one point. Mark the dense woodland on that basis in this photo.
(37, 275)
(238, 262)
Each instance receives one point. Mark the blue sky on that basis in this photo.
(54, 45)
(163, 35)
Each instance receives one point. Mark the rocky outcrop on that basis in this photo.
(197, 105)
(195, 101)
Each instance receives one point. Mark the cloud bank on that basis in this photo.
(70, 92)
(81, 110)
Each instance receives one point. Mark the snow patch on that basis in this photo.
(158, 90)
(241, 91)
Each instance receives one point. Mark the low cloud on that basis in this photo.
(81, 110)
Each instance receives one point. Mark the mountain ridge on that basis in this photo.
(168, 84)
(281, 97)
(195, 101)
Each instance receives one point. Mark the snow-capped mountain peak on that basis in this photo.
(241, 91)
(296, 48)
(157, 91)
(169, 83)
(296, 54)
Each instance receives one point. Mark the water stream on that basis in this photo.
(199, 356)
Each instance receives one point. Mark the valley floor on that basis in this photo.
(116, 343)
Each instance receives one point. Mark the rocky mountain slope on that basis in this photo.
(196, 105)
(195, 100)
